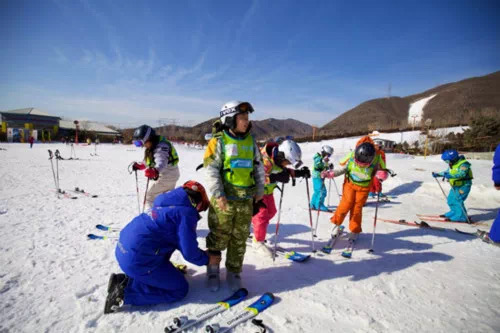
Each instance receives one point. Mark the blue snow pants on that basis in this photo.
(319, 195)
(495, 229)
(456, 199)
(164, 284)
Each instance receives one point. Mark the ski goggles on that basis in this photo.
(241, 108)
(138, 143)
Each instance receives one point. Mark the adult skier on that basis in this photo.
(459, 174)
(160, 162)
(147, 243)
(235, 177)
(276, 158)
(321, 164)
(359, 167)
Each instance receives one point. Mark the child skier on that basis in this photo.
(235, 177)
(276, 157)
(321, 164)
(359, 168)
(160, 162)
(460, 177)
(147, 243)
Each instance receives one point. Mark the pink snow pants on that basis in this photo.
(260, 221)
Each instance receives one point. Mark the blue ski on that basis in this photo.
(182, 323)
(97, 237)
(106, 228)
(251, 311)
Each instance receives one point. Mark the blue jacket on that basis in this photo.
(148, 240)
(496, 166)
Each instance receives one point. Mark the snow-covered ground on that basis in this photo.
(416, 110)
(52, 279)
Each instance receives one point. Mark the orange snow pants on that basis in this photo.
(353, 199)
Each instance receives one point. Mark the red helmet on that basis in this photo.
(196, 191)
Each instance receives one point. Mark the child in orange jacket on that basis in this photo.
(359, 168)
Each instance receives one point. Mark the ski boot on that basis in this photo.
(261, 248)
(116, 292)
(213, 277)
(234, 281)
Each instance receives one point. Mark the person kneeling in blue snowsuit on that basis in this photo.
(147, 243)
(495, 228)
(460, 177)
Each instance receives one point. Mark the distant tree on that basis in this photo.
(483, 133)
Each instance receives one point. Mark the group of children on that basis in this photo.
(241, 179)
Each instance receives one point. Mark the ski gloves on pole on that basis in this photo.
(257, 206)
(304, 172)
(441, 174)
(138, 166)
(152, 173)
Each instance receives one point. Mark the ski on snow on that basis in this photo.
(347, 253)
(439, 219)
(81, 191)
(248, 313)
(479, 234)
(180, 324)
(336, 233)
(422, 224)
(290, 255)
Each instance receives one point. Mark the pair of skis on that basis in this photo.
(104, 228)
(337, 232)
(182, 323)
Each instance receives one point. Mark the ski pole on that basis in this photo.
(336, 188)
(442, 190)
(374, 223)
(53, 172)
(329, 189)
(278, 222)
(57, 168)
(310, 215)
(316, 226)
(462, 204)
(145, 195)
(137, 190)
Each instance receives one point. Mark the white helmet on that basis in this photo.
(291, 152)
(231, 109)
(327, 149)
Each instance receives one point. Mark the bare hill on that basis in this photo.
(455, 104)
(262, 129)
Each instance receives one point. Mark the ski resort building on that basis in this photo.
(19, 124)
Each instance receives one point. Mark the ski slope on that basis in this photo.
(52, 279)
(416, 110)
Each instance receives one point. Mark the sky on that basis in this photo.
(132, 62)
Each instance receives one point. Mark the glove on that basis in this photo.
(303, 173)
(152, 173)
(436, 174)
(327, 174)
(330, 166)
(282, 177)
(257, 206)
(138, 166)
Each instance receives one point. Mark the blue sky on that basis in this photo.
(134, 62)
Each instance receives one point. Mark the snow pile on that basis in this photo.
(416, 110)
(53, 279)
